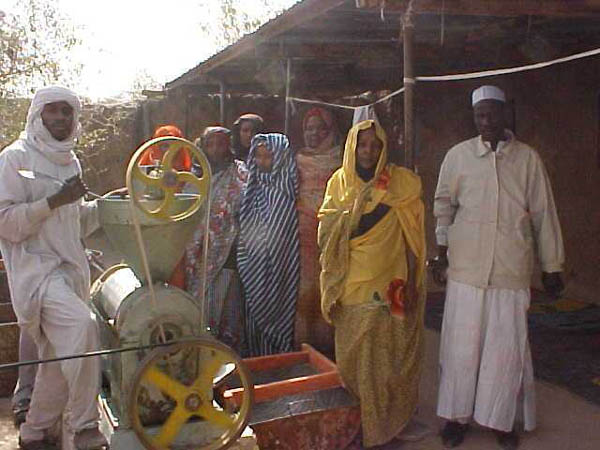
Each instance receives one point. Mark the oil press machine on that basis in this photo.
(164, 394)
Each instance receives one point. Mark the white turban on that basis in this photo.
(488, 93)
(38, 136)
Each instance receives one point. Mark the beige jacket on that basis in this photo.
(492, 210)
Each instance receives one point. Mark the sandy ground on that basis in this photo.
(565, 422)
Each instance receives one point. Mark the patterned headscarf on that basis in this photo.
(37, 135)
(323, 114)
(268, 251)
(329, 143)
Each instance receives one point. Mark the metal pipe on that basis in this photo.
(287, 95)
(16, 365)
(409, 85)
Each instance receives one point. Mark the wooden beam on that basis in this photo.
(408, 29)
(330, 53)
(288, 82)
(500, 8)
(223, 103)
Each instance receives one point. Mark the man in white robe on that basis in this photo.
(42, 222)
(494, 208)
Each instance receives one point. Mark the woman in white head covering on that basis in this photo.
(41, 225)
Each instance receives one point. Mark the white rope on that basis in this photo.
(387, 97)
(318, 102)
(493, 73)
(353, 108)
(461, 77)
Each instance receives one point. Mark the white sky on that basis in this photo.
(123, 38)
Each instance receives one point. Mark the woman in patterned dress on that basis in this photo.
(223, 296)
(316, 162)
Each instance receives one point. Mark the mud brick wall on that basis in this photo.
(192, 113)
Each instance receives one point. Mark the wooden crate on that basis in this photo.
(299, 402)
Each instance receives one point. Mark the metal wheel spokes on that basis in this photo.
(167, 181)
(191, 415)
(199, 183)
(173, 150)
(139, 175)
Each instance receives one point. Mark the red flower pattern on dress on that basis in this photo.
(383, 180)
(395, 297)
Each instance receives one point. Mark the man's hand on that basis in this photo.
(439, 265)
(553, 283)
(71, 191)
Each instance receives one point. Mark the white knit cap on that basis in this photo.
(488, 93)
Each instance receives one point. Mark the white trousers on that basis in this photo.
(485, 362)
(67, 327)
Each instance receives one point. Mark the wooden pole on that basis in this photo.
(287, 95)
(408, 28)
(222, 98)
(188, 104)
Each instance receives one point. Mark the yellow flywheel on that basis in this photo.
(175, 400)
(167, 180)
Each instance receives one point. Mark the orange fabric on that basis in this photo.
(313, 173)
(178, 276)
(183, 160)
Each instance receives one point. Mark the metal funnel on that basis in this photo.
(165, 241)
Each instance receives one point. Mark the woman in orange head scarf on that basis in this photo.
(183, 160)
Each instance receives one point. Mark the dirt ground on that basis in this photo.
(565, 422)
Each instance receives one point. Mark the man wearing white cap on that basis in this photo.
(494, 206)
(41, 225)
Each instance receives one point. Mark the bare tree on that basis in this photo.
(228, 21)
(34, 39)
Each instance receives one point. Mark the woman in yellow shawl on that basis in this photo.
(372, 244)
